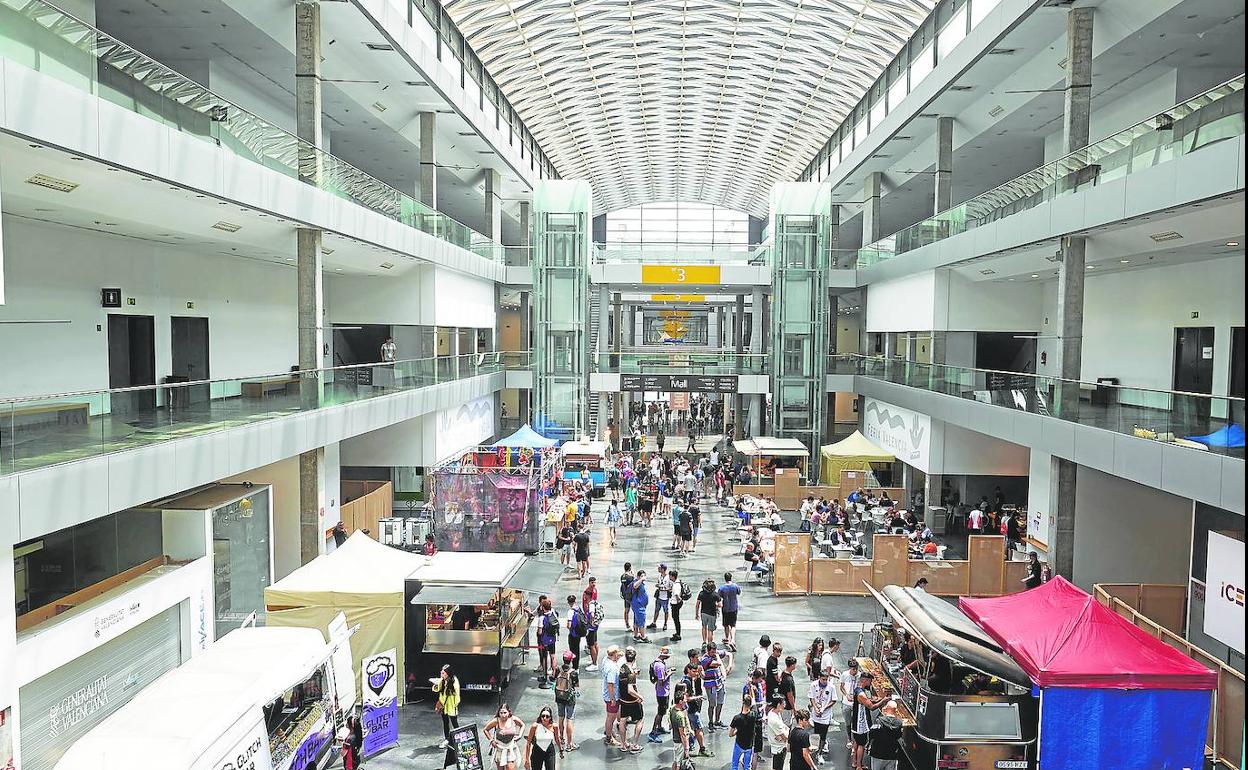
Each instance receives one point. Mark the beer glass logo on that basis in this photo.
(379, 671)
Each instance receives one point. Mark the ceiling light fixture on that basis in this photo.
(52, 183)
(1232, 243)
(379, 46)
(1168, 235)
(228, 227)
(1124, 261)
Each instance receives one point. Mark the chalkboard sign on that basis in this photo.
(466, 742)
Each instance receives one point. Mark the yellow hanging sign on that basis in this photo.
(692, 274)
(678, 298)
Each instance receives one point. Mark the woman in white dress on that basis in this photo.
(504, 732)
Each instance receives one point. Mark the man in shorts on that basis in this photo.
(632, 707)
(691, 684)
(589, 605)
(661, 672)
(713, 685)
(662, 604)
(678, 718)
(611, 692)
(730, 598)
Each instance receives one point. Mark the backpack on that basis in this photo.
(654, 677)
(626, 587)
(550, 628)
(685, 593)
(563, 687)
(577, 623)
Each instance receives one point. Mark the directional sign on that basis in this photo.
(691, 274)
(679, 383)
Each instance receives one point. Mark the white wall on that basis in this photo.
(1130, 318)
(903, 304)
(983, 306)
(1040, 512)
(1132, 107)
(426, 296)
(56, 273)
(424, 441)
(967, 452)
(1128, 533)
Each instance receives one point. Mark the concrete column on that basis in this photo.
(526, 223)
(1076, 120)
(493, 205)
(931, 497)
(311, 296)
(632, 325)
(428, 159)
(944, 165)
(871, 208)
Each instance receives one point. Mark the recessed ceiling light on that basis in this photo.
(387, 265)
(1125, 261)
(1091, 267)
(52, 183)
(1232, 243)
(326, 250)
(1035, 275)
(988, 271)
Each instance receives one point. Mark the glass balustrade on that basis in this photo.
(1204, 120)
(685, 253)
(36, 432)
(37, 35)
(1158, 415)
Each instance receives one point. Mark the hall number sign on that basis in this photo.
(680, 274)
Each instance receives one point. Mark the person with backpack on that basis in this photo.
(567, 690)
(592, 611)
(626, 592)
(578, 627)
(678, 718)
(680, 595)
(661, 673)
(547, 639)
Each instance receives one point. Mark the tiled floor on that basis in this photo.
(795, 621)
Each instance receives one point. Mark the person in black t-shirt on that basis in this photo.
(799, 742)
(1033, 579)
(581, 541)
(788, 688)
(742, 729)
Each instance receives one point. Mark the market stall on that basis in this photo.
(259, 698)
(493, 498)
(361, 578)
(855, 453)
(473, 611)
(970, 705)
(768, 453)
(1110, 694)
(586, 454)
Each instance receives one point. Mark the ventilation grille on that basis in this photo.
(1169, 235)
(228, 227)
(52, 183)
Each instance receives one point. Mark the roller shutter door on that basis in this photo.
(61, 706)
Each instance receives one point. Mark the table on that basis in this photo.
(262, 388)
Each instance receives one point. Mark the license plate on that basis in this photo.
(1012, 764)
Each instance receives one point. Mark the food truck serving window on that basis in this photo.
(299, 713)
(983, 720)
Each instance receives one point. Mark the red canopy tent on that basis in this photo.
(1062, 637)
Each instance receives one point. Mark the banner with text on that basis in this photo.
(1224, 591)
(381, 702)
(906, 434)
(679, 383)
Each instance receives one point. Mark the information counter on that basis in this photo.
(472, 611)
(968, 706)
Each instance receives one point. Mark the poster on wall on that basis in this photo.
(1224, 591)
(906, 434)
(1038, 526)
(381, 702)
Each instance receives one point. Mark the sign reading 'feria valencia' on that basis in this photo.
(687, 274)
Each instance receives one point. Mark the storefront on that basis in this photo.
(260, 699)
(473, 611)
(64, 704)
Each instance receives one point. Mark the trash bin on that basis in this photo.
(1105, 394)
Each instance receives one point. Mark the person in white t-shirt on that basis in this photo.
(777, 734)
(827, 662)
(848, 682)
(823, 698)
(975, 521)
(762, 652)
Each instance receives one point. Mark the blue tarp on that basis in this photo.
(526, 437)
(1088, 729)
(1232, 437)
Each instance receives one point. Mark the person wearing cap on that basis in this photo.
(848, 681)
(661, 675)
(611, 692)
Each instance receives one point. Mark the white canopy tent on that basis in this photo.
(363, 579)
(196, 716)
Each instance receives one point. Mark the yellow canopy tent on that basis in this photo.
(363, 579)
(855, 453)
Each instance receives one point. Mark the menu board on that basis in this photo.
(466, 742)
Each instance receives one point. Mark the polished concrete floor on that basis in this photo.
(795, 621)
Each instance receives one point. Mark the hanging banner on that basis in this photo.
(906, 434)
(1224, 591)
(381, 702)
(668, 274)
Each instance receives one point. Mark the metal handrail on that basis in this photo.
(305, 373)
(905, 361)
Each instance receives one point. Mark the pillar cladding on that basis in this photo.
(428, 159)
(493, 205)
(871, 208)
(311, 296)
(1077, 112)
(944, 166)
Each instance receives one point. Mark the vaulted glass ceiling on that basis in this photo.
(691, 100)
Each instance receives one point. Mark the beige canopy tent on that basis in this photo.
(363, 579)
(855, 453)
(763, 452)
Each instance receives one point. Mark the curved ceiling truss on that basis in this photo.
(691, 100)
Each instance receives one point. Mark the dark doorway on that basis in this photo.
(361, 344)
(1006, 351)
(1236, 387)
(188, 340)
(1193, 368)
(132, 362)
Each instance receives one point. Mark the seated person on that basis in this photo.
(885, 499)
(840, 536)
(755, 559)
(930, 548)
(775, 521)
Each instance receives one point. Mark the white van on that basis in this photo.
(258, 699)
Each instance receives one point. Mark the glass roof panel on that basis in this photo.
(707, 100)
